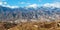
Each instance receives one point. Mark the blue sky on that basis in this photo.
(23, 3)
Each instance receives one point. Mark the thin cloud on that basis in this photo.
(33, 5)
(22, 2)
(1, 3)
(57, 4)
(12, 6)
(5, 3)
(25, 3)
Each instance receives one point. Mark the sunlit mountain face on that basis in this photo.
(29, 9)
(50, 13)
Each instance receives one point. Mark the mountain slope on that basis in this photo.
(49, 13)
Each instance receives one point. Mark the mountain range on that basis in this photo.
(47, 13)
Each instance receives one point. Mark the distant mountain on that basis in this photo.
(7, 13)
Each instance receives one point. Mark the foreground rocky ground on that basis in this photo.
(30, 26)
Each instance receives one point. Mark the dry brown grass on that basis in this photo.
(31, 26)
